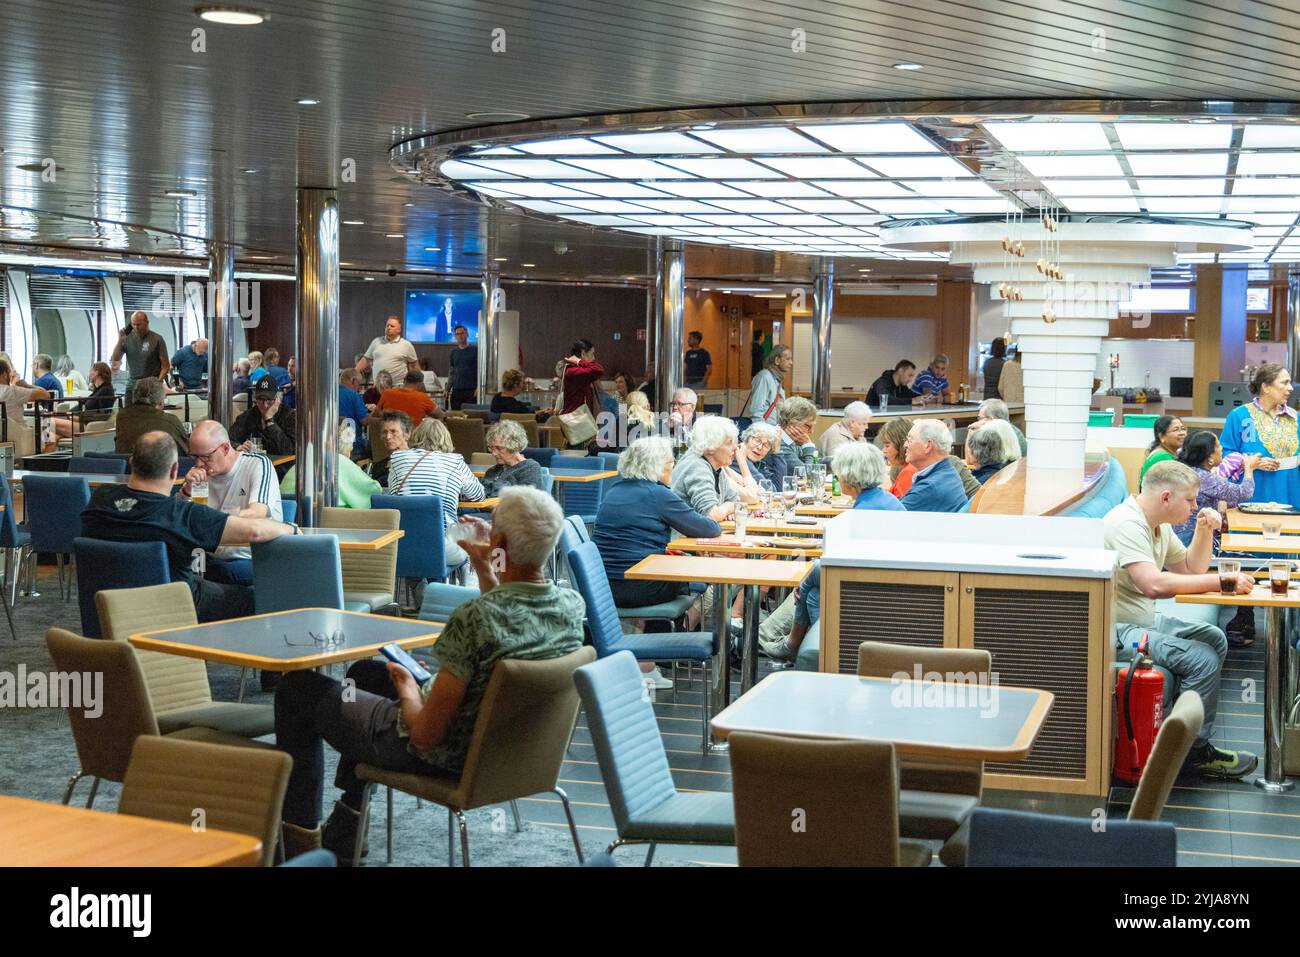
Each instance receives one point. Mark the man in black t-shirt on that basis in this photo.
(698, 362)
(144, 510)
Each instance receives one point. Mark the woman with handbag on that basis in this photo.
(767, 391)
(579, 372)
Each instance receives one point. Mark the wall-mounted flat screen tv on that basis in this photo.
(432, 314)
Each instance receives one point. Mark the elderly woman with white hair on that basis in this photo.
(993, 410)
(851, 428)
(355, 486)
(862, 471)
(797, 418)
(757, 460)
(700, 477)
(986, 451)
(391, 721)
(506, 442)
(639, 516)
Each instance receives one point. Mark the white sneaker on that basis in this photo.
(657, 680)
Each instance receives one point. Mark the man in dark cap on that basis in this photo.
(268, 420)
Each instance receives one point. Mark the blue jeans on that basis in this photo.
(229, 571)
(1192, 651)
(808, 598)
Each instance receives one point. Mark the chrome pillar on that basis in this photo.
(654, 268)
(823, 299)
(221, 330)
(489, 344)
(671, 289)
(1293, 328)
(318, 351)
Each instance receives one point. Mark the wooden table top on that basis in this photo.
(753, 545)
(487, 503)
(1255, 543)
(842, 504)
(360, 539)
(37, 834)
(990, 722)
(561, 475)
(1261, 597)
(93, 479)
(288, 640)
(780, 526)
(731, 571)
(283, 459)
(1239, 521)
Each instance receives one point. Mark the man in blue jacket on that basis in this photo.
(936, 487)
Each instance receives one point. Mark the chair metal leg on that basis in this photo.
(514, 809)
(72, 783)
(389, 857)
(464, 839)
(573, 827)
(243, 673)
(363, 823)
(9, 613)
(451, 840)
(707, 710)
(94, 789)
(650, 854)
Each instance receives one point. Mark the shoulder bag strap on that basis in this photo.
(408, 474)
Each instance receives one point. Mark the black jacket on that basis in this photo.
(279, 437)
(897, 394)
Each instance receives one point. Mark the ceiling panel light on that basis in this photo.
(496, 151)
(1267, 134)
(1183, 204)
(700, 189)
(902, 167)
(545, 206)
(763, 139)
(498, 190)
(825, 205)
(1094, 204)
(591, 219)
(1049, 136)
(394, 235)
(1088, 187)
(1267, 219)
(814, 168)
(727, 220)
(917, 205)
(850, 188)
(658, 219)
(1068, 166)
(460, 170)
(1265, 164)
(678, 205)
(646, 143)
(1181, 136)
(799, 219)
(433, 249)
(979, 205)
(569, 146)
(1178, 164)
(534, 189)
(856, 220)
(1181, 187)
(1276, 186)
(354, 222)
(750, 206)
(629, 169)
(1260, 204)
(607, 205)
(724, 168)
(970, 188)
(538, 168)
(872, 137)
(232, 16)
(653, 230)
(779, 188)
(614, 190)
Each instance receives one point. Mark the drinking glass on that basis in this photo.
(199, 493)
(1228, 571)
(765, 493)
(1279, 576)
(789, 493)
(741, 518)
(801, 477)
(1272, 529)
(255, 444)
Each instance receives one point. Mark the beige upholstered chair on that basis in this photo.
(104, 741)
(178, 686)
(368, 577)
(482, 458)
(937, 796)
(378, 450)
(523, 728)
(809, 803)
(237, 789)
(1173, 742)
(467, 435)
(528, 421)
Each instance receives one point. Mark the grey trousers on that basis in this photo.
(1193, 651)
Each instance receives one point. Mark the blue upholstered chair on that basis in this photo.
(289, 509)
(122, 456)
(15, 539)
(607, 629)
(422, 550)
(541, 456)
(107, 565)
(581, 498)
(320, 857)
(96, 465)
(647, 807)
(54, 507)
(1024, 839)
(548, 481)
(297, 571)
(573, 533)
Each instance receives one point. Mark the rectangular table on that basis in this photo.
(968, 722)
(779, 526)
(811, 548)
(290, 640)
(1276, 693)
(751, 574)
(1234, 542)
(1239, 521)
(825, 511)
(92, 478)
(359, 539)
(37, 834)
(487, 503)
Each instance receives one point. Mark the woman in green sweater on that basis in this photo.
(1170, 436)
(355, 486)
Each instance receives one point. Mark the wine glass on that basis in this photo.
(789, 493)
(765, 493)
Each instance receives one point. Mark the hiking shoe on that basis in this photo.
(1212, 762)
(340, 834)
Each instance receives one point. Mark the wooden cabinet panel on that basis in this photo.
(874, 604)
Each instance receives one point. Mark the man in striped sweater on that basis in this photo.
(239, 483)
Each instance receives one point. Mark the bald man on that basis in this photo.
(145, 351)
(239, 483)
(191, 363)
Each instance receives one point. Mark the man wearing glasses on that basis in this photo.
(269, 420)
(238, 483)
(682, 413)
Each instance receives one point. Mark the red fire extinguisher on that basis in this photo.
(1139, 706)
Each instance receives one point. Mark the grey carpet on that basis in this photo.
(37, 756)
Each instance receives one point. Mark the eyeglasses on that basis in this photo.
(497, 448)
(206, 455)
(327, 639)
(682, 405)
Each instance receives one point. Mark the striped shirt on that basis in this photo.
(928, 383)
(250, 482)
(445, 474)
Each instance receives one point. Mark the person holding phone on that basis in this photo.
(392, 721)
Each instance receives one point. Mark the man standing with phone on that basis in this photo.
(145, 351)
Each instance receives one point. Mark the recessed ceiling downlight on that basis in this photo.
(232, 16)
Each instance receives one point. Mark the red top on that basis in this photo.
(415, 404)
(901, 484)
(579, 382)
